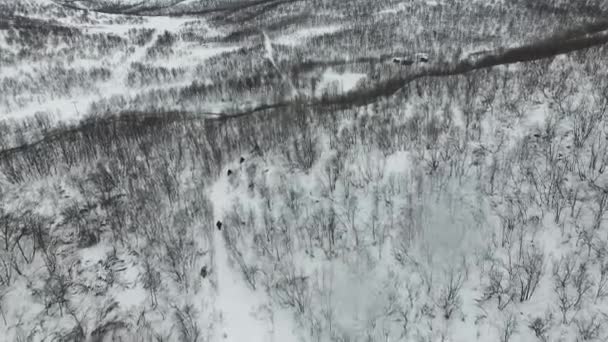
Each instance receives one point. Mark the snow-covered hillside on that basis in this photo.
(208, 171)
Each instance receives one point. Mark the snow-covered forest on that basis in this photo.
(273, 171)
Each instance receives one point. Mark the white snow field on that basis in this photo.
(340, 83)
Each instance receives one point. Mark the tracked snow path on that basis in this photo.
(269, 55)
(244, 315)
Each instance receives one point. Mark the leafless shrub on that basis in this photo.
(8, 229)
(348, 218)
(305, 144)
(55, 292)
(292, 289)
(105, 180)
(449, 298)
(151, 279)
(33, 236)
(571, 284)
(180, 253)
(509, 328)
(589, 328)
(332, 171)
(507, 227)
(549, 181)
(107, 326)
(117, 221)
(529, 272)
(294, 199)
(238, 219)
(87, 232)
(168, 180)
(325, 291)
(7, 268)
(403, 307)
(325, 224)
(541, 327)
(251, 172)
(588, 115)
(499, 287)
(9, 239)
(186, 320)
(277, 241)
(586, 237)
(602, 284)
(250, 272)
(234, 233)
(602, 206)
(592, 165)
(108, 330)
(370, 169)
(75, 334)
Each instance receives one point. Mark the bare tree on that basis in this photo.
(602, 284)
(509, 328)
(292, 289)
(449, 298)
(186, 320)
(571, 284)
(541, 326)
(590, 327)
(529, 272)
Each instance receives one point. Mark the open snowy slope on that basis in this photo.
(258, 171)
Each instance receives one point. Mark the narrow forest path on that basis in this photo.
(244, 315)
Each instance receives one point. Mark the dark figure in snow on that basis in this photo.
(219, 225)
(242, 160)
(204, 272)
(229, 172)
(423, 58)
(403, 61)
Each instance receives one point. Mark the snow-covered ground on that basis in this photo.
(74, 107)
(243, 314)
(340, 82)
(419, 217)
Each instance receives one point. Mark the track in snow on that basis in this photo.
(244, 315)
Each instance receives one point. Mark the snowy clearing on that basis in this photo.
(333, 81)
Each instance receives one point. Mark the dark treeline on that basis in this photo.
(359, 97)
(114, 136)
(170, 8)
(24, 23)
(591, 8)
